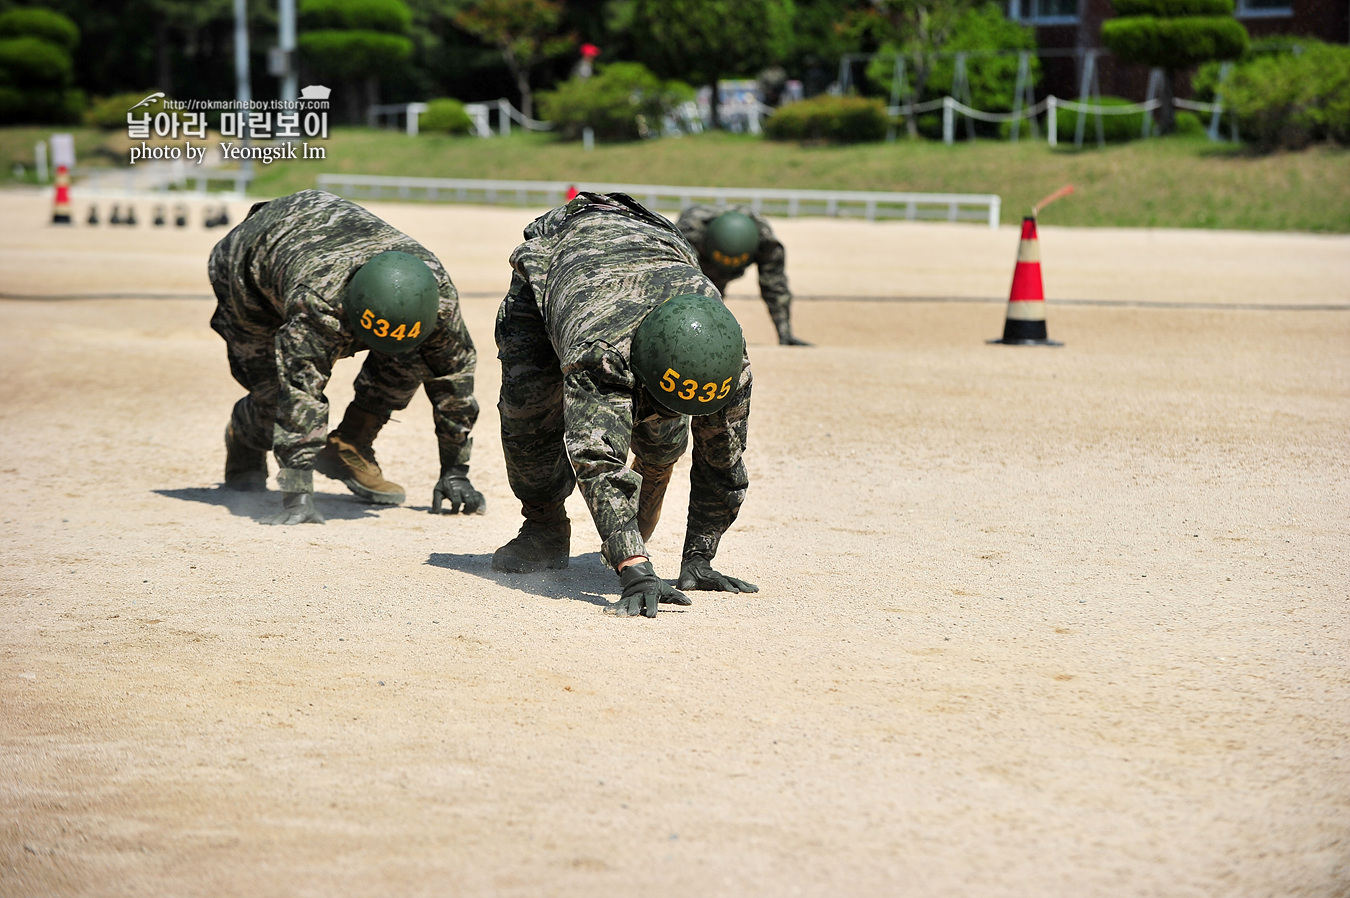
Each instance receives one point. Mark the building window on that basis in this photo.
(1258, 8)
(1047, 12)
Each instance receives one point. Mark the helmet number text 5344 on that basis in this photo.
(380, 327)
(688, 389)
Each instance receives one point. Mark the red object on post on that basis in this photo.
(572, 192)
(61, 207)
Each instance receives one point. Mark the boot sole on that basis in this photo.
(514, 564)
(335, 472)
(248, 483)
(371, 495)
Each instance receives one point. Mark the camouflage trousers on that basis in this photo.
(248, 322)
(532, 418)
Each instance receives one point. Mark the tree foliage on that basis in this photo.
(920, 30)
(355, 42)
(524, 31)
(36, 66)
(705, 40)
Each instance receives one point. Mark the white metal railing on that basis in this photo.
(864, 204)
(150, 179)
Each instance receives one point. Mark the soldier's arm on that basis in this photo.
(451, 359)
(598, 425)
(771, 260)
(718, 479)
(308, 342)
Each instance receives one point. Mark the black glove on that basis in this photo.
(642, 590)
(454, 485)
(297, 508)
(697, 573)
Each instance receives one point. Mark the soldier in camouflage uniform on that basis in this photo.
(573, 402)
(703, 225)
(284, 280)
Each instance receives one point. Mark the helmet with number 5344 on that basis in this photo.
(392, 302)
(687, 352)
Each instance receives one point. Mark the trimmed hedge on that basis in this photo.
(353, 54)
(368, 15)
(444, 116)
(836, 119)
(1167, 9)
(30, 62)
(31, 21)
(1174, 43)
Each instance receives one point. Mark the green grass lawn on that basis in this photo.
(1171, 182)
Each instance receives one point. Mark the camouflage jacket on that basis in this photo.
(595, 268)
(770, 257)
(297, 254)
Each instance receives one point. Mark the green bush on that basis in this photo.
(1174, 43)
(836, 119)
(370, 15)
(1164, 9)
(619, 102)
(1290, 100)
(30, 62)
(1116, 128)
(43, 24)
(445, 116)
(353, 54)
(110, 113)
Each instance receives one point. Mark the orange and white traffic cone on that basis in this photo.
(61, 208)
(1025, 324)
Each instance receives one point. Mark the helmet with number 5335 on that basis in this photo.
(392, 302)
(687, 352)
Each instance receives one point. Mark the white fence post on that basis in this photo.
(1052, 119)
(415, 110)
(504, 118)
(947, 125)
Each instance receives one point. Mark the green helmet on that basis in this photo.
(687, 353)
(392, 302)
(733, 238)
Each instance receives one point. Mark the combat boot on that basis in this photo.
(245, 468)
(655, 479)
(544, 542)
(349, 457)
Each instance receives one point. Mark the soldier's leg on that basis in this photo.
(781, 313)
(531, 411)
(250, 346)
(657, 444)
(385, 385)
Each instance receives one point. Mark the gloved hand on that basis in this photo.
(454, 485)
(697, 573)
(296, 508)
(643, 590)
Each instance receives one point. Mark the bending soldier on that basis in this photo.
(727, 242)
(610, 338)
(311, 278)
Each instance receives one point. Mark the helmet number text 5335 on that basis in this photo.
(380, 327)
(689, 389)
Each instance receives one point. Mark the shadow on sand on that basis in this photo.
(261, 504)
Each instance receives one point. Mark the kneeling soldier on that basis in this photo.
(311, 278)
(610, 337)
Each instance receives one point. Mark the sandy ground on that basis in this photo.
(1033, 622)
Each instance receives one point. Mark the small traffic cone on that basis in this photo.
(130, 220)
(61, 207)
(1025, 324)
(223, 220)
(93, 215)
(159, 216)
(572, 192)
(180, 216)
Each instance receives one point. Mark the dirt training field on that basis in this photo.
(1032, 622)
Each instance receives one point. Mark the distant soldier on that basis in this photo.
(610, 338)
(308, 279)
(727, 242)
